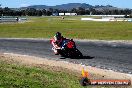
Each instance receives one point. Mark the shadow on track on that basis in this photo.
(83, 57)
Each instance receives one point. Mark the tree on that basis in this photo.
(87, 12)
(39, 13)
(51, 9)
(7, 11)
(127, 11)
(81, 11)
(44, 12)
(31, 12)
(48, 13)
(1, 10)
(92, 11)
(74, 10)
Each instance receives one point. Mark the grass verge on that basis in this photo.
(23, 72)
(19, 76)
(71, 26)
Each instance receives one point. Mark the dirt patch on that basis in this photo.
(67, 67)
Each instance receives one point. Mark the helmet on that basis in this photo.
(58, 35)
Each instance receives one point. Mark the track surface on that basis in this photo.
(117, 57)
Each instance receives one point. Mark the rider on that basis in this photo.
(57, 41)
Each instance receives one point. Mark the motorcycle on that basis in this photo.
(67, 49)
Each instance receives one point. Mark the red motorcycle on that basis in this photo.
(67, 49)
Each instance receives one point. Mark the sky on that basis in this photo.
(23, 3)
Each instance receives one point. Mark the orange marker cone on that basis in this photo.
(84, 73)
(85, 80)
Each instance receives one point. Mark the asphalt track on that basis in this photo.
(117, 57)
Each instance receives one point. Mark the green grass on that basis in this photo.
(18, 76)
(71, 26)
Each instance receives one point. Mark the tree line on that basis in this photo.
(48, 12)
